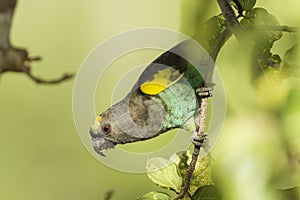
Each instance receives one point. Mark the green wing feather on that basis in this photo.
(168, 69)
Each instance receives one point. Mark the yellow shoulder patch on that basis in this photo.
(161, 80)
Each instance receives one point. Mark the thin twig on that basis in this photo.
(14, 59)
(219, 43)
(288, 29)
(189, 173)
(51, 81)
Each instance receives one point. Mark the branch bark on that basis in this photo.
(230, 17)
(14, 59)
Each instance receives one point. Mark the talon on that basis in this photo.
(199, 141)
(205, 92)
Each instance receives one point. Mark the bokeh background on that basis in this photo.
(41, 154)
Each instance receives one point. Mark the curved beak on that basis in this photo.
(100, 142)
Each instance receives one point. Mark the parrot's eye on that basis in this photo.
(106, 128)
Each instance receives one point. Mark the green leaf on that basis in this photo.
(182, 160)
(206, 192)
(155, 196)
(258, 20)
(246, 4)
(164, 173)
(202, 174)
(290, 67)
(210, 33)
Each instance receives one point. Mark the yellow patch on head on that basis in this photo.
(162, 80)
(99, 118)
(95, 124)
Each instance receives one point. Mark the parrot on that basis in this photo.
(167, 95)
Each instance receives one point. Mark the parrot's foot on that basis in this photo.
(200, 141)
(205, 92)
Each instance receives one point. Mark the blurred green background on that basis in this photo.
(41, 154)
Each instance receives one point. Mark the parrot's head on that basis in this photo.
(103, 131)
(111, 128)
(133, 119)
(99, 137)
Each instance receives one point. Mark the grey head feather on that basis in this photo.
(137, 117)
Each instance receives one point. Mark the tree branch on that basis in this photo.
(7, 8)
(233, 26)
(13, 59)
(230, 17)
(189, 173)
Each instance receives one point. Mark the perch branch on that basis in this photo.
(233, 26)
